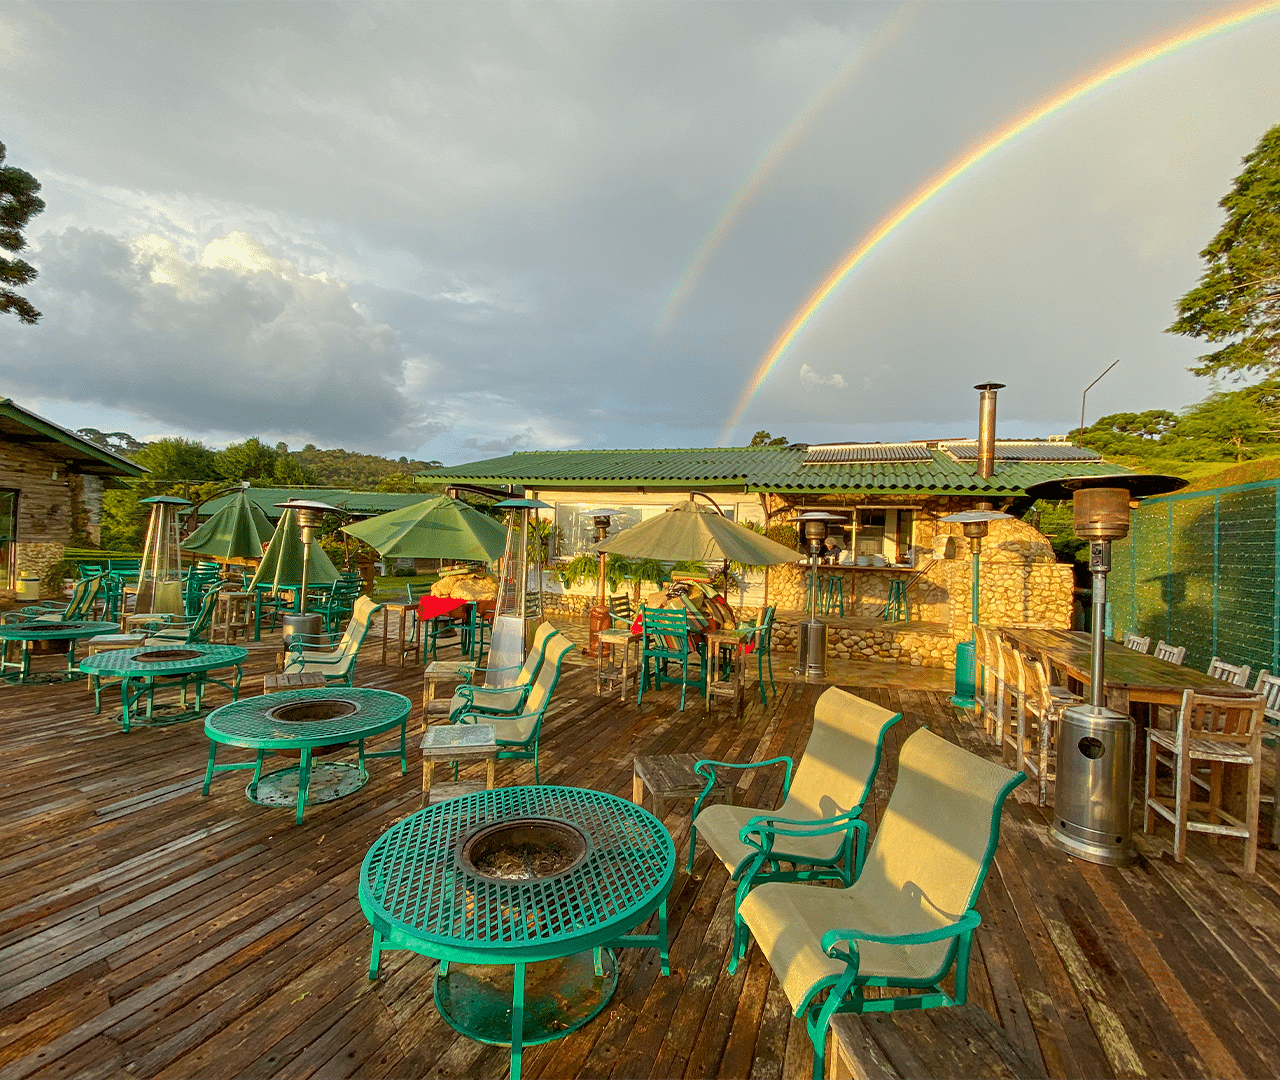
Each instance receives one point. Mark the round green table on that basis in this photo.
(42, 630)
(306, 721)
(139, 667)
(418, 894)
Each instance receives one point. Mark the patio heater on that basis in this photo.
(1093, 795)
(160, 571)
(309, 515)
(519, 608)
(975, 524)
(812, 660)
(599, 617)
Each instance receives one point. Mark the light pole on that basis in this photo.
(1090, 387)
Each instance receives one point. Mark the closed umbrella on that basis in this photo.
(689, 531)
(437, 528)
(240, 530)
(281, 566)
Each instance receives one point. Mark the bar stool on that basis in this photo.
(895, 609)
(834, 593)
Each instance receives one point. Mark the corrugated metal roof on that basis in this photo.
(1008, 450)
(778, 469)
(356, 502)
(845, 453)
(23, 426)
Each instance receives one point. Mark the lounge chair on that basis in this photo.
(910, 916)
(517, 736)
(505, 700)
(184, 631)
(818, 829)
(338, 663)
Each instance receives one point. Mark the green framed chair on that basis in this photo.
(506, 700)
(818, 830)
(79, 605)
(338, 663)
(184, 631)
(761, 641)
(666, 642)
(517, 736)
(335, 604)
(910, 916)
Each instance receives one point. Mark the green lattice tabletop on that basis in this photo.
(419, 894)
(138, 668)
(46, 630)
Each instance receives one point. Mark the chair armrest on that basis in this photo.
(832, 938)
(707, 767)
(767, 826)
(506, 699)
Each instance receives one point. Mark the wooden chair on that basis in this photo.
(506, 700)
(1040, 706)
(1136, 642)
(1268, 686)
(517, 736)
(1165, 651)
(988, 672)
(1218, 731)
(910, 916)
(818, 829)
(1011, 715)
(1235, 674)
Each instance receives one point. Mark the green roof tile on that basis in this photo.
(759, 468)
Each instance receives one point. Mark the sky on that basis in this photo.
(451, 231)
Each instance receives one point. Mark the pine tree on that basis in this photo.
(18, 205)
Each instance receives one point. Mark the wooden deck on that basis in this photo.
(147, 931)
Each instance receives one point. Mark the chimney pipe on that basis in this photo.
(987, 428)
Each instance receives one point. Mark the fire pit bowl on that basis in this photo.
(312, 710)
(166, 656)
(523, 849)
(57, 627)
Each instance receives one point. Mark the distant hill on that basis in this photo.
(353, 471)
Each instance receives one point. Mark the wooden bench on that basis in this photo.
(961, 1040)
(671, 776)
(300, 680)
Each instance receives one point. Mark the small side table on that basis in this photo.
(451, 671)
(233, 615)
(731, 684)
(621, 641)
(671, 776)
(456, 742)
(301, 680)
(406, 612)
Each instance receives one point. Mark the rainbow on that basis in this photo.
(887, 33)
(961, 165)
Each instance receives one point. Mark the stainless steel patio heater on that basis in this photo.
(812, 659)
(1093, 794)
(975, 524)
(160, 571)
(518, 610)
(310, 515)
(599, 617)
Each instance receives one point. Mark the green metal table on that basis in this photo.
(306, 721)
(139, 668)
(418, 893)
(36, 630)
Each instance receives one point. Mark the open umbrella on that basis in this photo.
(281, 566)
(689, 531)
(238, 531)
(437, 528)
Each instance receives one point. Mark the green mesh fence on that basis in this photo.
(1203, 570)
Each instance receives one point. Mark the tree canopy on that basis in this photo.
(1237, 303)
(763, 438)
(19, 203)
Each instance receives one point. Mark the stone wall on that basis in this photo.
(898, 643)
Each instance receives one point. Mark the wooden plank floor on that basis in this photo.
(147, 931)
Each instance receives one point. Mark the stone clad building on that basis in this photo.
(51, 483)
(892, 496)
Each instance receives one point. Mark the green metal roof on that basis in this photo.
(355, 502)
(779, 469)
(19, 425)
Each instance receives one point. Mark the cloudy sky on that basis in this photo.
(454, 230)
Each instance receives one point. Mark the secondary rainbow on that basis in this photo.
(967, 161)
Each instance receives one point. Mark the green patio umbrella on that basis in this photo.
(238, 531)
(281, 566)
(437, 528)
(688, 531)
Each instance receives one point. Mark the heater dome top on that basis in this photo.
(966, 516)
(1138, 485)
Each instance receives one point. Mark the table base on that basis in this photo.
(559, 997)
(329, 780)
(160, 716)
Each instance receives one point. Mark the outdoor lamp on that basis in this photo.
(813, 634)
(309, 514)
(1093, 791)
(974, 524)
(600, 617)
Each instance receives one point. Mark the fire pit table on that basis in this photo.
(510, 878)
(306, 722)
(36, 630)
(139, 668)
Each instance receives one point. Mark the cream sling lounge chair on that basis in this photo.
(818, 829)
(506, 700)
(910, 915)
(336, 664)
